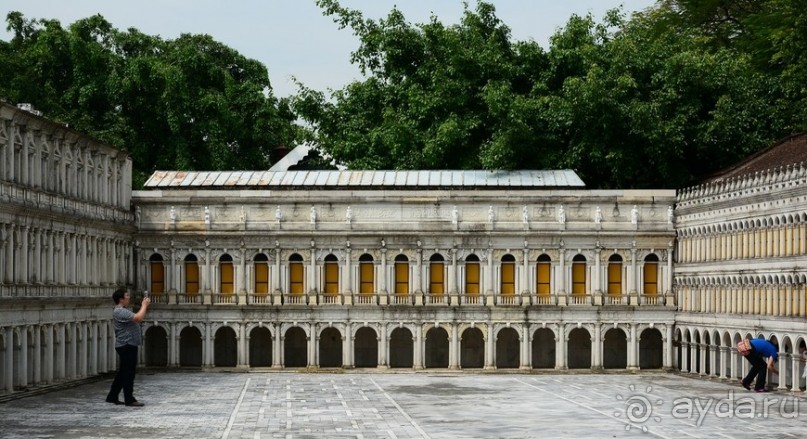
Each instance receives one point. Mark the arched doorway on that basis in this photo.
(225, 348)
(190, 347)
(366, 348)
(295, 348)
(260, 347)
(401, 348)
(472, 349)
(615, 349)
(579, 349)
(436, 348)
(651, 349)
(508, 352)
(330, 348)
(156, 347)
(543, 349)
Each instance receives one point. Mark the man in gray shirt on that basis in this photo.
(127, 339)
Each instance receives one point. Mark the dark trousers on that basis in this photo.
(124, 379)
(759, 369)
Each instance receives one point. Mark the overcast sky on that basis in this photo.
(292, 37)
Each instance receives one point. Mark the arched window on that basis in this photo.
(472, 275)
(331, 275)
(261, 265)
(366, 277)
(296, 274)
(579, 274)
(401, 274)
(542, 274)
(615, 275)
(191, 275)
(650, 274)
(508, 284)
(226, 277)
(436, 277)
(157, 286)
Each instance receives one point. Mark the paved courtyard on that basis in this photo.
(408, 405)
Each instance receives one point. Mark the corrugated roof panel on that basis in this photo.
(255, 178)
(243, 179)
(298, 177)
(333, 178)
(520, 179)
(378, 178)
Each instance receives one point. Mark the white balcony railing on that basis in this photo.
(579, 299)
(472, 299)
(436, 299)
(364, 299)
(400, 299)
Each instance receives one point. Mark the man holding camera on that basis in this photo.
(127, 339)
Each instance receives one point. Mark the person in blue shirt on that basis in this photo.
(761, 349)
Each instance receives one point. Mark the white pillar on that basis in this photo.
(419, 347)
(453, 347)
(490, 345)
(9, 360)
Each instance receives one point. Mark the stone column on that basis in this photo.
(276, 274)
(525, 283)
(633, 343)
(489, 277)
(383, 347)
(561, 340)
(312, 271)
(561, 276)
(526, 358)
(61, 362)
(723, 351)
(277, 346)
(668, 345)
(37, 356)
(596, 348)
(313, 361)
(49, 347)
(383, 284)
(453, 347)
(684, 356)
(36, 253)
(419, 273)
(795, 376)
(783, 369)
(347, 347)
(243, 345)
(8, 367)
(22, 377)
(9, 258)
(452, 273)
(22, 277)
(419, 346)
(490, 347)
(207, 352)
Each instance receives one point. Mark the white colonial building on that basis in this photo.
(459, 270)
(67, 224)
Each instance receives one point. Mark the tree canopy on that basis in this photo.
(658, 100)
(189, 104)
(662, 98)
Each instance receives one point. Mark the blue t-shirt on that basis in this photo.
(766, 348)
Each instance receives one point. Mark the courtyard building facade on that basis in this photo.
(409, 270)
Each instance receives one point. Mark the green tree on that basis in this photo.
(658, 100)
(189, 104)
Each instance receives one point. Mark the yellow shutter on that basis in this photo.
(157, 278)
(191, 278)
(226, 269)
(508, 278)
(650, 278)
(615, 278)
(579, 278)
(543, 278)
(261, 278)
(401, 278)
(296, 278)
(366, 274)
(331, 278)
(436, 278)
(472, 278)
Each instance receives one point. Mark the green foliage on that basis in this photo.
(658, 100)
(188, 104)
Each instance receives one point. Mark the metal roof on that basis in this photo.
(363, 179)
